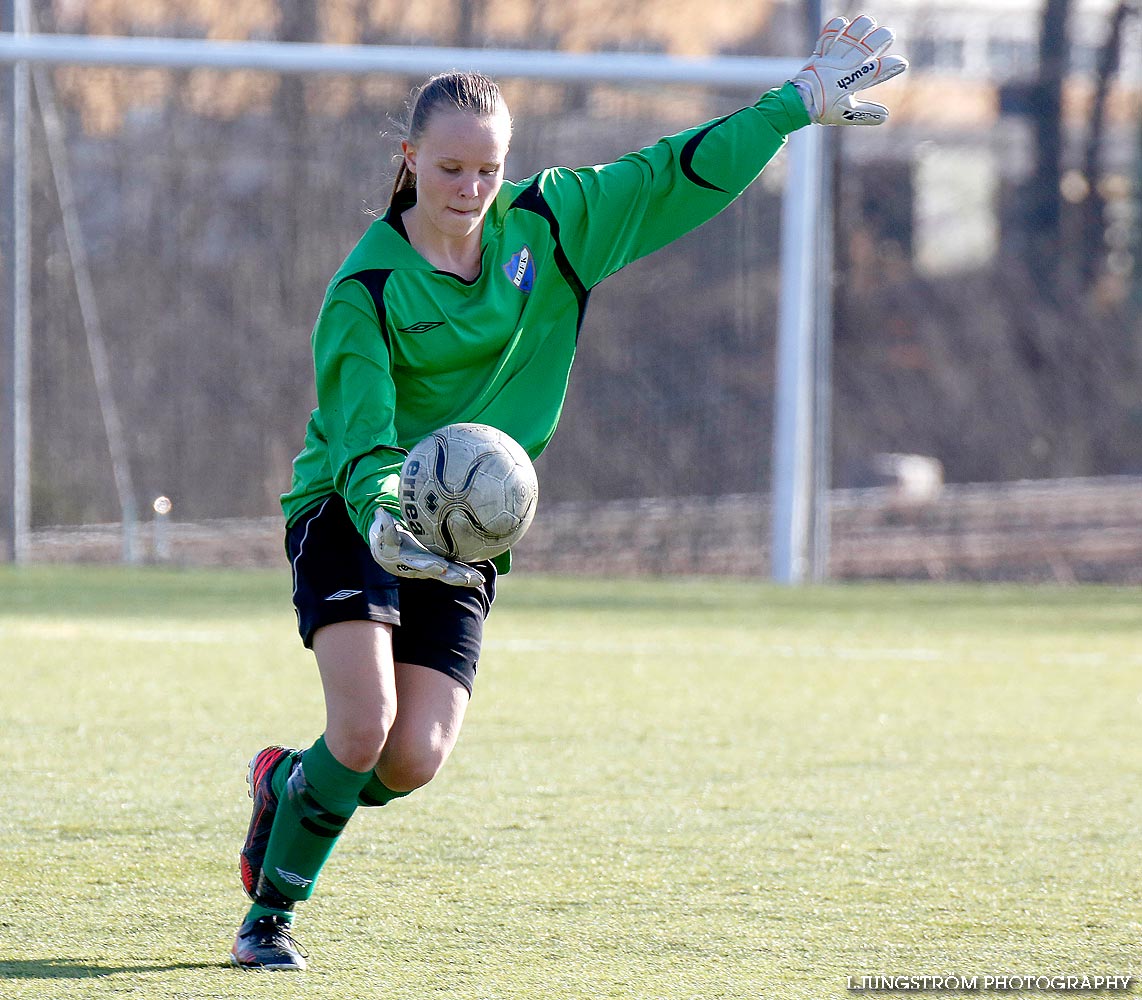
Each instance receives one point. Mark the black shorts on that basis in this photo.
(335, 579)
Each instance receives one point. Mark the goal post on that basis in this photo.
(795, 489)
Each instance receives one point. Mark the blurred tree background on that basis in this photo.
(989, 318)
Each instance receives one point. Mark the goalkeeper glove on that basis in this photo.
(848, 58)
(397, 550)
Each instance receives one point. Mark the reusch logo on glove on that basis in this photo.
(847, 81)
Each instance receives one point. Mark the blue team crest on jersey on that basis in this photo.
(521, 269)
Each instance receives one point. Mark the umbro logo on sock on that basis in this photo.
(342, 594)
(293, 879)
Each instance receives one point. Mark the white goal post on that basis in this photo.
(798, 487)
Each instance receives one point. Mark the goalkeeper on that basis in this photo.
(462, 303)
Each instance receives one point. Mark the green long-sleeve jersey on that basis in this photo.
(401, 348)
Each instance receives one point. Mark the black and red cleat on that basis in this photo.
(266, 943)
(259, 779)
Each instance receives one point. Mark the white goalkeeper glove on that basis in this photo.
(398, 550)
(848, 58)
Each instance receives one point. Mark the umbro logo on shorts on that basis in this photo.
(422, 327)
(342, 594)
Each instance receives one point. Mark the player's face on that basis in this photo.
(459, 167)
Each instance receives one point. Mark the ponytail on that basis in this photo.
(405, 181)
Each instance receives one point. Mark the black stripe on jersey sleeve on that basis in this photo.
(531, 200)
(686, 159)
(373, 281)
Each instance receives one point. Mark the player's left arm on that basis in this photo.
(615, 213)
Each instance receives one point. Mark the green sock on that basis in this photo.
(377, 793)
(319, 796)
(265, 911)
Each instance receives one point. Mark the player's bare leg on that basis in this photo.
(430, 711)
(355, 661)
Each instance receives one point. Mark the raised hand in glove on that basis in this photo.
(398, 550)
(846, 59)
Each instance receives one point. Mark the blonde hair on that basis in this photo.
(454, 91)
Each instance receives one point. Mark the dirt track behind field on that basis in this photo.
(1078, 530)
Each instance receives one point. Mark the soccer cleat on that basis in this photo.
(266, 943)
(260, 781)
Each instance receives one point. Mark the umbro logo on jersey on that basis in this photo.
(342, 594)
(422, 327)
(521, 269)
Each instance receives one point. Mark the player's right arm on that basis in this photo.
(356, 399)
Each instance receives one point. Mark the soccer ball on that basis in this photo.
(468, 492)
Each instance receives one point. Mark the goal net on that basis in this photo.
(184, 220)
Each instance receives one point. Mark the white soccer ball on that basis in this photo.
(468, 492)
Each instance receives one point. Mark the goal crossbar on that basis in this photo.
(309, 57)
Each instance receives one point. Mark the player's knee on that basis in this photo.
(407, 769)
(358, 743)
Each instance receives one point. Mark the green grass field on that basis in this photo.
(664, 790)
